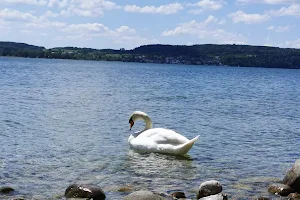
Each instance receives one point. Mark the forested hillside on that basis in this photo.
(207, 54)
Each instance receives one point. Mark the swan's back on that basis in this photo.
(162, 141)
(164, 136)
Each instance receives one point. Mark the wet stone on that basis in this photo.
(292, 177)
(215, 197)
(294, 196)
(144, 195)
(6, 189)
(85, 191)
(178, 195)
(208, 188)
(261, 198)
(280, 189)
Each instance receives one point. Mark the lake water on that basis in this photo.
(64, 122)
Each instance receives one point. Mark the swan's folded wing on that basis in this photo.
(164, 136)
(143, 144)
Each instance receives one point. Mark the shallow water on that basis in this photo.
(65, 121)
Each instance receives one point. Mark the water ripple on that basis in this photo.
(64, 121)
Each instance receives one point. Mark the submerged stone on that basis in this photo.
(85, 191)
(215, 197)
(261, 198)
(208, 188)
(144, 195)
(178, 195)
(125, 189)
(6, 189)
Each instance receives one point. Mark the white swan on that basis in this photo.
(157, 140)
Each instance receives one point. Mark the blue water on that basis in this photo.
(64, 122)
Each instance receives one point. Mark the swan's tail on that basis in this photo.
(184, 148)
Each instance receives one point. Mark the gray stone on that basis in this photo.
(178, 195)
(215, 197)
(280, 189)
(292, 177)
(208, 188)
(85, 191)
(144, 195)
(294, 196)
(261, 198)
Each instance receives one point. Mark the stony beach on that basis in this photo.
(288, 188)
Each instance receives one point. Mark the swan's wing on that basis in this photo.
(178, 149)
(163, 136)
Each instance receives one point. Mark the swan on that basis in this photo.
(158, 140)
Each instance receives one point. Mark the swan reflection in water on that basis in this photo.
(158, 171)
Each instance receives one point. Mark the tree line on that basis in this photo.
(207, 54)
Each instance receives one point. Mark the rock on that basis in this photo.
(208, 188)
(6, 189)
(294, 196)
(85, 191)
(144, 195)
(280, 189)
(215, 197)
(262, 198)
(178, 195)
(125, 189)
(292, 177)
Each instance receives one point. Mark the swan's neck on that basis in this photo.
(148, 122)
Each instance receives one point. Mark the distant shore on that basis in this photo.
(207, 54)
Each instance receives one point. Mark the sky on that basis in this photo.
(128, 24)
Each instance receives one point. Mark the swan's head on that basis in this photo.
(137, 115)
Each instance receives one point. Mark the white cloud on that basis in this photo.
(91, 4)
(22, 20)
(222, 22)
(49, 13)
(240, 16)
(86, 28)
(32, 33)
(206, 30)
(60, 4)
(72, 10)
(135, 40)
(45, 24)
(125, 29)
(90, 8)
(293, 10)
(210, 19)
(29, 2)
(291, 44)
(206, 5)
(164, 9)
(281, 28)
(268, 1)
(92, 31)
(15, 15)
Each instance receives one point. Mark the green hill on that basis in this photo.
(207, 54)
